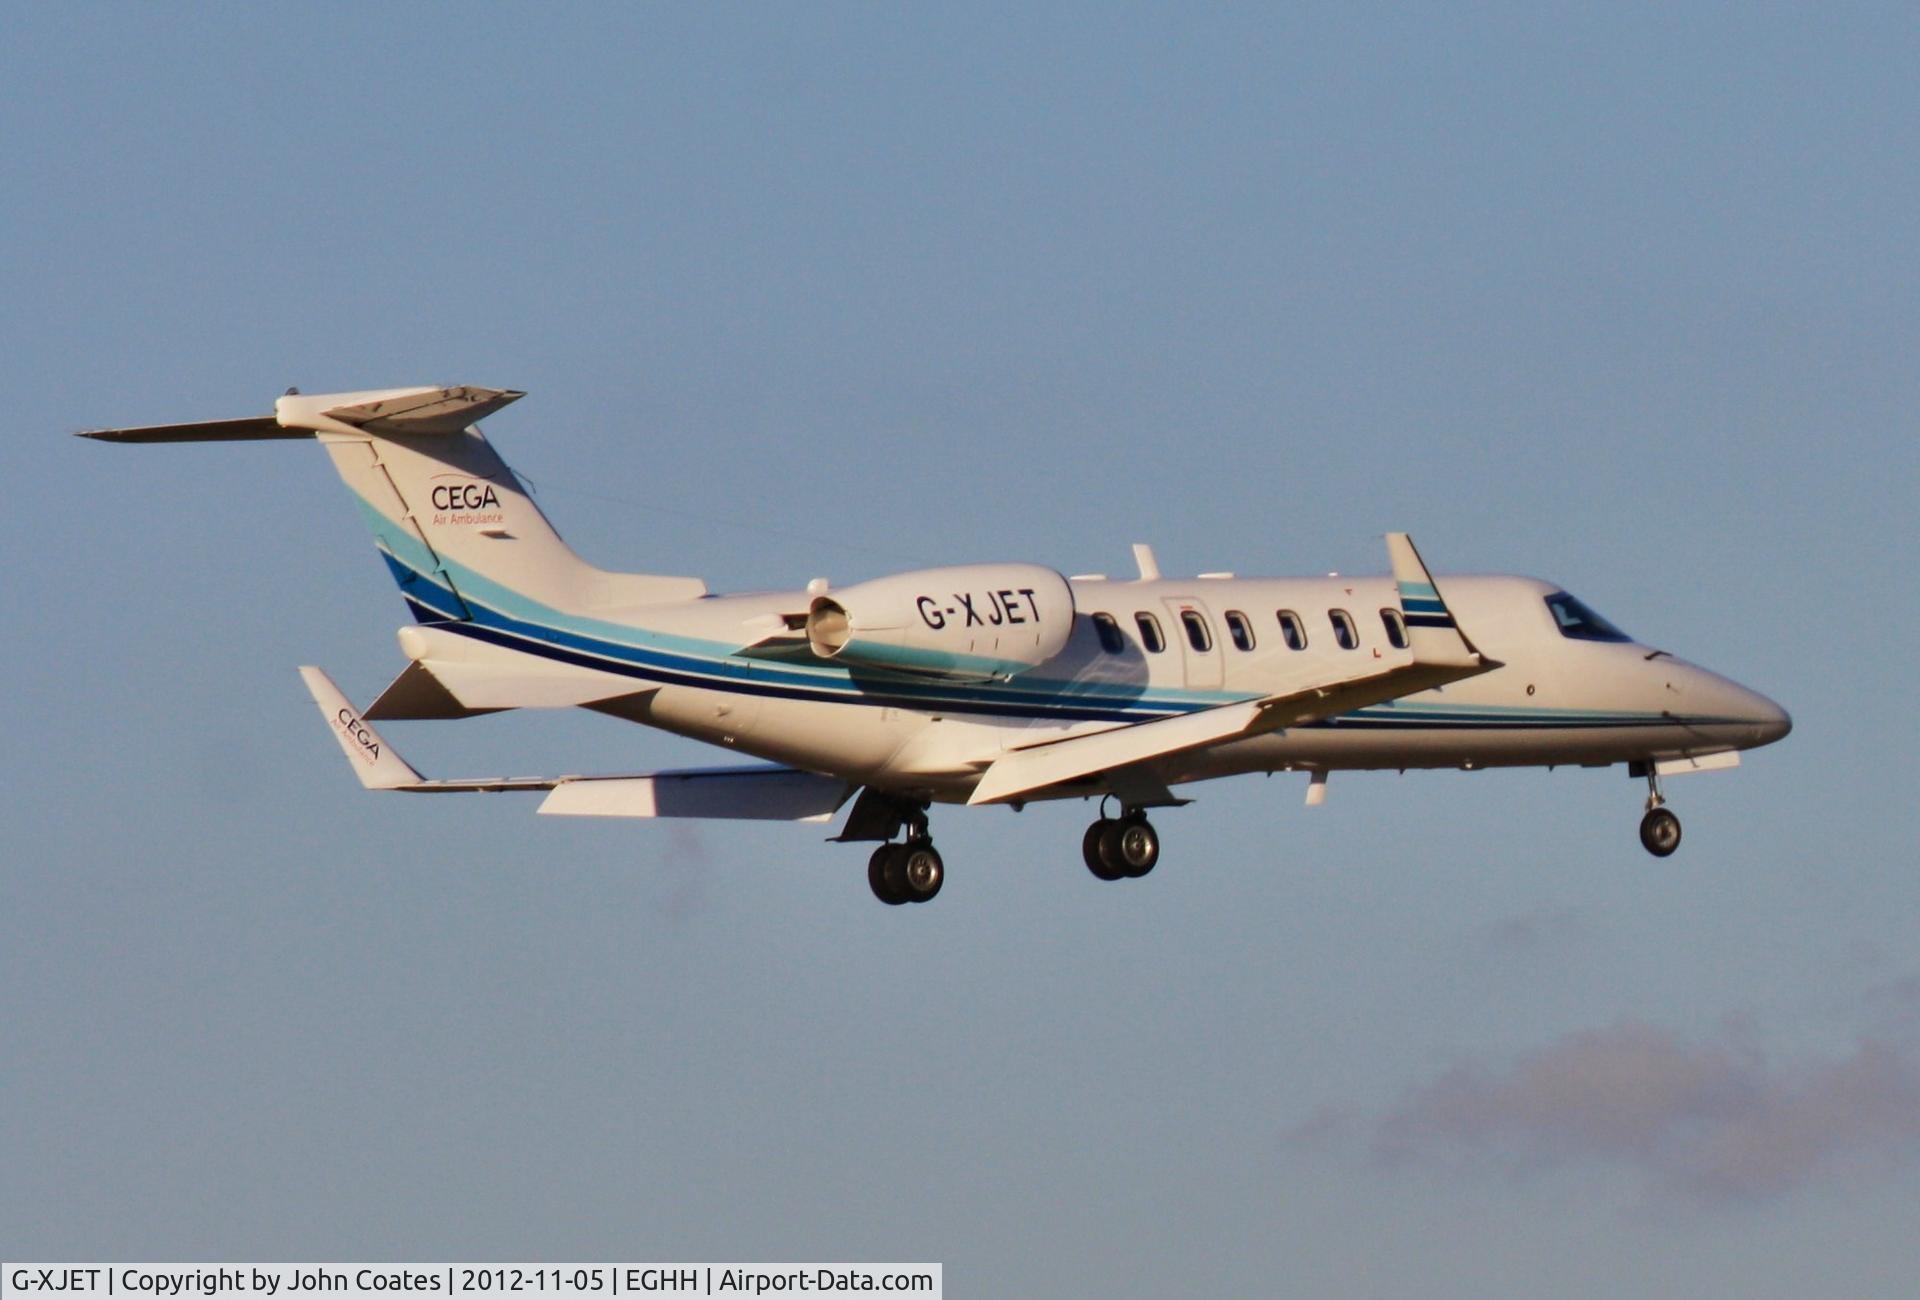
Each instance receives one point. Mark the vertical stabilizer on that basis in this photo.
(454, 523)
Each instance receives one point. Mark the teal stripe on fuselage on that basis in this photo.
(505, 611)
(513, 617)
(474, 586)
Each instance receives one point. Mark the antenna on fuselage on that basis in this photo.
(1149, 567)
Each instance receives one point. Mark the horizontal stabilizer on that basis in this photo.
(247, 430)
(394, 410)
(384, 411)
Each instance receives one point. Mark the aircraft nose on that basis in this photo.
(1769, 719)
(1744, 717)
(1762, 720)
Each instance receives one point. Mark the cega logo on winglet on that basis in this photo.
(457, 500)
(361, 735)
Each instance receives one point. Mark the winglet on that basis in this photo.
(1434, 636)
(372, 759)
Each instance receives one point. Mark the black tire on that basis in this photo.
(883, 875)
(1136, 847)
(1660, 832)
(921, 871)
(1090, 850)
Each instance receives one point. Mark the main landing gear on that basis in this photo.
(907, 873)
(910, 870)
(1659, 829)
(1121, 848)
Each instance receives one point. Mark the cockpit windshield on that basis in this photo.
(1581, 623)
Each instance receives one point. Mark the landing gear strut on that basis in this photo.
(1124, 847)
(907, 873)
(1659, 829)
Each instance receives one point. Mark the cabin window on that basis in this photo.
(1240, 629)
(1581, 623)
(1111, 639)
(1343, 629)
(1292, 629)
(1150, 635)
(1396, 628)
(1197, 634)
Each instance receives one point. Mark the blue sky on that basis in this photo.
(1622, 296)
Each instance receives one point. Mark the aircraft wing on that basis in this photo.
(1438, 653)
(758, 792)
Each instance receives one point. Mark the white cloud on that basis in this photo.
(1711, 1121)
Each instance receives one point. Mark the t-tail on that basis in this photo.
(454, 524)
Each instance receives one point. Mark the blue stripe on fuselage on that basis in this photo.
(433, 603)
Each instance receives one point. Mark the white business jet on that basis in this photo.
(976, 684)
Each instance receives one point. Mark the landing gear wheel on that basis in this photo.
(884, 876)
(921, 870)
(1136, 846)
(1091, 849)
(1660, 832)
(1120, 848)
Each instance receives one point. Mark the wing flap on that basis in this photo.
(737, 793)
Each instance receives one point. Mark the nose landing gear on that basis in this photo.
(1120, 848)
(1660, 832)
(1659, 829)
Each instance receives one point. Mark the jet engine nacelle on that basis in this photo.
(972, 621)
